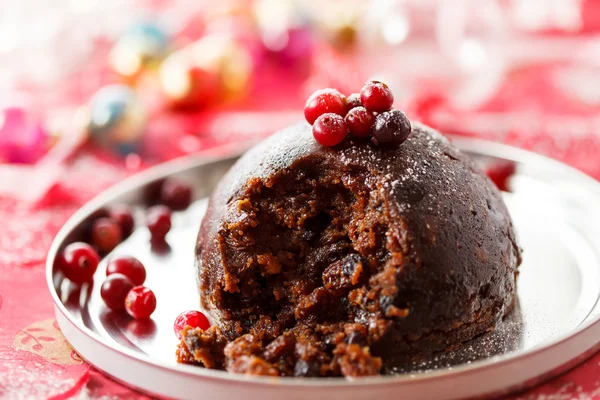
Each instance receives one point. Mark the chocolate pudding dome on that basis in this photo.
(350, 258)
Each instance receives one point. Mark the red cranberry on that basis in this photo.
(329, 129)
(391, 129)
(152, 191)
(89, 223)
(195, 319)
(500, 173)
(324, 101)
(140, 302)
(159, 222)
(360, 121)
(128, 266)
(376, 96)
(123, 216)
(106, 234)
(353, 101)
(176, 195)
(79, 262)
(114, 290)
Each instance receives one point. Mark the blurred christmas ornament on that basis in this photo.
(22, 140)
(387, 22)
(229, 59)
(285, 33)
(189, 30)
(213, 69)
(292, 48)
(339, 22)
(187, 85)
(116, 118)
(274, 16)
(241, 28)
(31, 182)
(143, 46)
(343, 34)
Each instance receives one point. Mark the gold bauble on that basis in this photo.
(143, 47)
(227, 58)
(186, 84)
(117, 118)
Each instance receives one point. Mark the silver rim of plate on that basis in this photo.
(570, 299)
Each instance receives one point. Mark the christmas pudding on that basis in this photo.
(326, 257)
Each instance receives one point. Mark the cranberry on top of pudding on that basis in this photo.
(368, 114)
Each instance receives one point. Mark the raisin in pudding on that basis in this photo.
(352, 259)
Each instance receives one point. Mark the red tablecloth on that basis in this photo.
(35, 359)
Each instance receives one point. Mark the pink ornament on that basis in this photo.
(291, 48)
(22, 140)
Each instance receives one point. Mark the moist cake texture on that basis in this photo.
(351, 260)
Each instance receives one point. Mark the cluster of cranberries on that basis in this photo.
(123, 289)
(365, 114)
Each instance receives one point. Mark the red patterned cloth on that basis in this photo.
(35, 359)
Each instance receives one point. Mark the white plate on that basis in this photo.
(556, 324)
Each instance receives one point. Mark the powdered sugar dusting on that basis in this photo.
(505, 338)
(425, 156)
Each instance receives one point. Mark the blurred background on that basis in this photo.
(115, 86)
(93, 91)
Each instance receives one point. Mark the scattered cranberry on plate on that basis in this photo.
(129, 266)
(79, 262)
(123, 216)
(158, 222)
(195, 319)
(152, 192)
(106, 234)
(140, 302)
(114, 290)
(176, 195)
